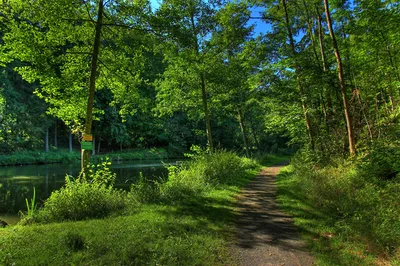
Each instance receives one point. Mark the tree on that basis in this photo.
(189, 58)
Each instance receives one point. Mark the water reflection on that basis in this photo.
(17, 182)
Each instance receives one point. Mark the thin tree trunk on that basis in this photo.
(94, 146)
(92, 86)
(341, 80)
(299, 84)
(244, 132)
(47, 140)
(207, 113)
(310, 23)
(321, 41)
(55, 134)
(98, 146)
(253, 132)
(203, 89)
(70, 141)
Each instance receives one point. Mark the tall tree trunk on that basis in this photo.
(341, 81)
(203, 87)
(206, 113)
(55, 134)
(47, 140)
(70, 141)
(299, 84)
(321, 41)
(92, 86)
(244, 131)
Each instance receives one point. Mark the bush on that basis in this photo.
(83, 198)
(39, 157)
(192, 178)
(355, 198)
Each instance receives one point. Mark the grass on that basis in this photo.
(190, 230)
(334, 240)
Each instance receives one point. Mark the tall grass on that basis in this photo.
(183, 220)
(199, 175)
(357, 205)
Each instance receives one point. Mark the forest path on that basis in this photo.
(265, 235)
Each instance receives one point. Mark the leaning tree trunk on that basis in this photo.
(299, 84)
(350, 132)
(92, 85)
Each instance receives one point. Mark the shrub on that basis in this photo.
(192, 178)
(83, 198)
(356, 199)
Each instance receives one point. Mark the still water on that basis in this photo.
(17, 182)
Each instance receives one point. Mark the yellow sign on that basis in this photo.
(87, 138)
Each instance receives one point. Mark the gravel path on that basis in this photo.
(265, 235)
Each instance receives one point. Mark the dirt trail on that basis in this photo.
(265, 235)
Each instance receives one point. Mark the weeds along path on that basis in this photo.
(265, 235)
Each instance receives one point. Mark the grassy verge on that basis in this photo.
(39, 157)
(186, 220)
(342, 235)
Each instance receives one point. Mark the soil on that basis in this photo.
(265, 235)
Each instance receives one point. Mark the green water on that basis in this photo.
(17, 182)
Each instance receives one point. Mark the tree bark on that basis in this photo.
(94, 146)
(244, 132)
(92, 86)
(321, 41)
(55, 134)
(47, 140)
(341, 81)
(299, 84)
(203, 88)
(70, 141)
(206, 113)
(98, 146)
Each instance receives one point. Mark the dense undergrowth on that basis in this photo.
(65, 156)
(39, 157)
(184, 220)
(136, 154)
(349, 210)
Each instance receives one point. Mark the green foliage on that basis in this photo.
(381, 160)
(188, 231)
(84, 198)
(31, 208)
(355, 203)
(74, 241)
(199, 175)
(137, 154)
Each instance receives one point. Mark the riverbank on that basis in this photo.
(65, 156)
(172, 226)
